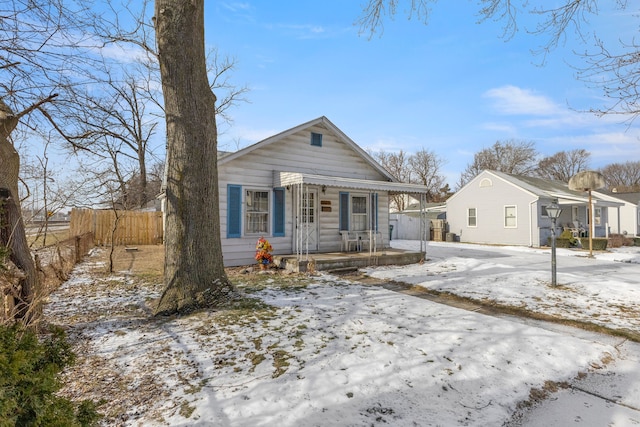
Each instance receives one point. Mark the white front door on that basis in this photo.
(309, 221)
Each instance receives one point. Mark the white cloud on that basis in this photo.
(605, 147)
(236, 6)
(500, 127)
(514, 100)
(242, 137)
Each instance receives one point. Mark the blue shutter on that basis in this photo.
(278, 212)
(234, 211)
(374, 210)
(344, 211)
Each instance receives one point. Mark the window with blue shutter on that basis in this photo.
(344, 211)
(234, 211)
(278, 212)
(316, 139)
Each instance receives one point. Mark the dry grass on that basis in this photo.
(37, 241)
(144, 261)
(105, 302)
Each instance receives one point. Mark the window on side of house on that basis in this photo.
(256, 212)
(359, 213)
(472, 219)
(308, 208)
(510, 217)
(597, 216)
(316, 139)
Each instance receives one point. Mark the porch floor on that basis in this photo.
(336, 261)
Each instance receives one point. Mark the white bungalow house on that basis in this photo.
(309, 189)
(626, 218)
(499, 208)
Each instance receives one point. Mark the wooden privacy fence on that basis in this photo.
(133, 227)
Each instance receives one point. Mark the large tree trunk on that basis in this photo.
(22, 300)
(194, 273)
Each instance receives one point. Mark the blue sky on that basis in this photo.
(453, 86)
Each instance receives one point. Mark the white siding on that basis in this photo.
(294, 153)
(489, 200)
(627, 216)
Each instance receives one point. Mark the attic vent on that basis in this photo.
(316, 139)
(486, 182)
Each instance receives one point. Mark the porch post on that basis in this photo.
(305, 210)
(423, 223)
(592, 227)
(298, 210)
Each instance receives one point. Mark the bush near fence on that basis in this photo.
(133, 227)
(53, 263)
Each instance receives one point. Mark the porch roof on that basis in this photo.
(281, 179)
(566, 199)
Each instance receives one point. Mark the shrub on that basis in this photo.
(636, 241)
(600, 244)
(618, 240)
(561, 242)
(565, 240)
(29, 371)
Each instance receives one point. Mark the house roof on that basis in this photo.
(428, 207)
(282, 179)
(321, 121)
(633, 198)
(549, 189)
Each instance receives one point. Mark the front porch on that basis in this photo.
(344, 261)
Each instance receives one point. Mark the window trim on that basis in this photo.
(246, 212)
(475, 217)
(316, 139)
(597, 216)
(365, 214)
(515, 216)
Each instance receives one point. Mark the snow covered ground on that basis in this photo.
(323, 351)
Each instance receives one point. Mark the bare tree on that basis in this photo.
(194, 270)
(24, 291)
(39, 45)
(115, 124)
(443, 194)
(563, 165)
(612, 68)
(141, 34)
(397, 165)
(623, 177)
(426, 168)
(513, 157)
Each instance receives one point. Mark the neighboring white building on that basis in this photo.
(499, 208)
(626, 219)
